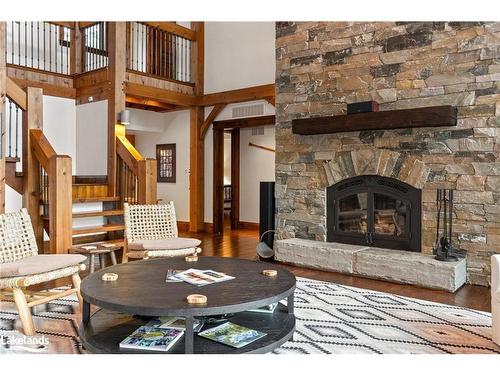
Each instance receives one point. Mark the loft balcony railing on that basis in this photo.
(39, 45)
(95, 46)
(157, 52)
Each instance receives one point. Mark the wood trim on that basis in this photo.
(402, 118)
(16, 93)
(69, 25)
(116, 100)
(197, 172)
(261, 147)
(161, 95)
(248, 225)
(239, 95)
(41, 71)
(61, 204)
(32, 120)
(85, 24)
(172, 27)
(271, 100)
(48, 89)
(218, 181)
(155, 104)
(41, 148)
(3, 127)
(183, 226)
(235, 178)
(128, 153)
(247, 122)
(158, 77)
(209, 227)
(216, 110)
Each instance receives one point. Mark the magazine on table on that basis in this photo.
(171, 276)
(152, 338)
(232, 334)
(174, 322)
(268, 309)
(202, 277)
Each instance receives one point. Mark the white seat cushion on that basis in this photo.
(39, 264)
(165, 244)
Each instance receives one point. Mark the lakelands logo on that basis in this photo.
(28, 343)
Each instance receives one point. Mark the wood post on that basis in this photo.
(147, 181)
(116, 102)
(32, 119)
(76, 50)
(3, 90)
(218, 186)
(60, 204)
(235, 178)
(197, 145)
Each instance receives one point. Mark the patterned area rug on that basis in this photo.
(331, 318)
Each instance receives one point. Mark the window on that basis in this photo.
(165, 156)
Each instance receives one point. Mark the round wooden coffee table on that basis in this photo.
(141, 292)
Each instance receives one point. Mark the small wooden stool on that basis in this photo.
(99, 250)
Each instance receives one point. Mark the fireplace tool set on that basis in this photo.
(443, 248)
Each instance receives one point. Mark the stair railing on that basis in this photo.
(47, 179)
(136, 175)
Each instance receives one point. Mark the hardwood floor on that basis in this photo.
(242, 244)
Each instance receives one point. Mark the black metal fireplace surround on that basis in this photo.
(374, 211)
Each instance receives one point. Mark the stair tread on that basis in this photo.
(96, 199)
(98, 229)
(97, 213)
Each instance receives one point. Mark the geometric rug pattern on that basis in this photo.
(331, 319)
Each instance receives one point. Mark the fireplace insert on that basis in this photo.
(374, 211)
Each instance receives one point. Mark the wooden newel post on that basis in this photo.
(146, 169)
(32, 119)
(60, 204)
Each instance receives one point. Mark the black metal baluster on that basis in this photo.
(55, 48)
(38, 44)
(17, 131)
(12, 42)
(9, 153)
(50, 47)
(31, 27)
(44, 49)
(25, 44)
(19, 42)
(142, 48)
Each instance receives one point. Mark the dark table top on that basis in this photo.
(141, 287)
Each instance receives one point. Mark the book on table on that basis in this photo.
(174, 322)
(232, 334)
(202, 277)
(152, 338)
(268, 309)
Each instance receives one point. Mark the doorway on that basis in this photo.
(226, 156)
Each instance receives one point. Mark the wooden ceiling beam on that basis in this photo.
(210, 118)
(246, 122)
(85, 24)
(161, 95)
(271, 100)
(172, 27)
(239, 95)
(149, 103)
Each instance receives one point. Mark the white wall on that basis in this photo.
(238, 55)
(256, 165)
(59, 125)
(153, 128)
(92, 135)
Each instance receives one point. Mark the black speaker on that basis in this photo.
(267, 208)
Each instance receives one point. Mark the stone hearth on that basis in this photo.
(392, 265)
(322, 66)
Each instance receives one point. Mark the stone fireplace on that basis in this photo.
(322, 66)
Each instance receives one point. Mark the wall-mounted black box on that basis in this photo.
(362, 107)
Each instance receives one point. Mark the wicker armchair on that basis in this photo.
(151, 231)
(21, 266)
